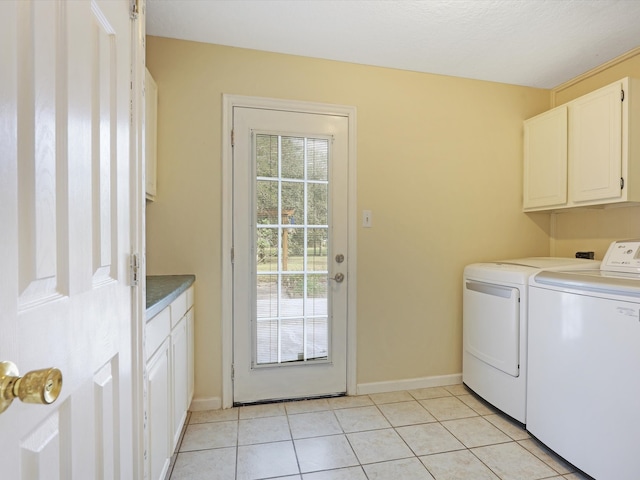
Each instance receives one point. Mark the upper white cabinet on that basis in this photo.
(150, 134)
(545, 159)
(583, 153)
(595, 148)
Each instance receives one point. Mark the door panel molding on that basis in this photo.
(228, 103)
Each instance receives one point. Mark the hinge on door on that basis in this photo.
(134, 9)
(233, 138)
(233, 372)
(134, 268)
(621, 183)
(622, 95)
(233, 254)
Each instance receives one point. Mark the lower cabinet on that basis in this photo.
(179, 376)
(169, 348)
(191, 354)
(158, 409)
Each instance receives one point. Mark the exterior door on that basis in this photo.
(290, 268)
(65, 238)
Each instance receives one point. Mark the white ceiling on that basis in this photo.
(538, 43)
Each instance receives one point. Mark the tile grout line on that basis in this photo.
(293, 443)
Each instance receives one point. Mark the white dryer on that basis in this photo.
(495, 301)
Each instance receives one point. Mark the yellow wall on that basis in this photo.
(595, 229)
(439, 164)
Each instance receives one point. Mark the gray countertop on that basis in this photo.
(164, 289)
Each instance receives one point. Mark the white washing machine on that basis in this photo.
(583, 394)
(494, 363)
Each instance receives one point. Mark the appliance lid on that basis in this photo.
(519, 270)
(619, 272)
(616, 283)
(548, 262)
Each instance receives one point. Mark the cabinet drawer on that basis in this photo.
(178, 308)
(189, 292)
(157, 329)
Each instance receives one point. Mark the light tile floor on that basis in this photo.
(441, 433)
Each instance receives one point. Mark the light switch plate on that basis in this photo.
(367, 219)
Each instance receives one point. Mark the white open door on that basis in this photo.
(65, 235)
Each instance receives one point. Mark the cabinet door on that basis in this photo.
(179, 376)
(545, 160)
(595, 145)
(191, 355)
(159, 412)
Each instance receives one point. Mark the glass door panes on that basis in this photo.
(291, 225)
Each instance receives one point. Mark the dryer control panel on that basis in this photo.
(622, 256)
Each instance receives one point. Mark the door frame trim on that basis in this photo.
(228, 103)
(138, 243)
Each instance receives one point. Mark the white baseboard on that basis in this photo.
(215, 403)
(409, 384)
(201, 404)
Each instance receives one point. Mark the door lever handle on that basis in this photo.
(339, 277)
(38, 386)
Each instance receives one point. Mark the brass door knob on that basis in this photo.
(38, 386)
